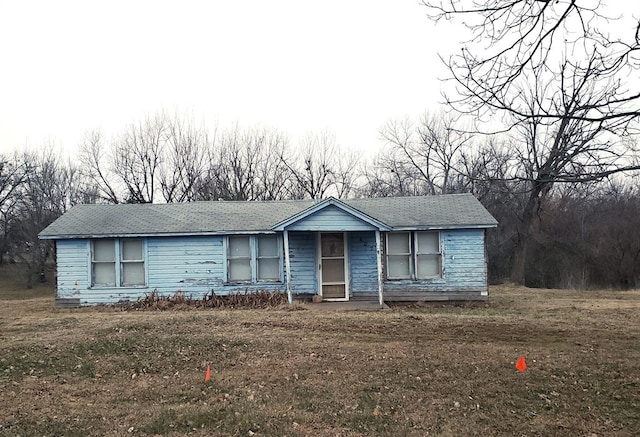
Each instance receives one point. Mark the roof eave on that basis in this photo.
(151, 234)
(443, 227)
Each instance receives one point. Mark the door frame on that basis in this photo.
(347, 278)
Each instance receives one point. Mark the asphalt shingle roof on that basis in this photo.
(83, 221)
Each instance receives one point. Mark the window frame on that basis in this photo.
(418, 251)
(124, 261)
(404, 254)
(254, 259)
(277, 256)
(118, 263)
(248, 258)
(414, 253)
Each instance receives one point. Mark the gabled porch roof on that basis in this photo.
(358, 220)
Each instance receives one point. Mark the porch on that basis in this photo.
(336, 266)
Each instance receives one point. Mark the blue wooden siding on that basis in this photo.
(463, 262)
(73, 258)
(302, 249)
(196, 265)
(189, 264)
(329, 219)
(363, 263)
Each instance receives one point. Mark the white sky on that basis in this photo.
(346, 66)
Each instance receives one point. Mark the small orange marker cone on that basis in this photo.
(207, 375)
(521, 365)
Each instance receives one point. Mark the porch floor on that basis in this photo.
(351, 305)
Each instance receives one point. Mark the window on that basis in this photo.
(117, 262)
(239, 259)
(427, 255)
(268, 258)
(399, 255)
(132, 263)
(104, 263)
(413, 255)
(254, 258)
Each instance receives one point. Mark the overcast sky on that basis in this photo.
(295, 65)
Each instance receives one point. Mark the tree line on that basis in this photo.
(541, 124)
(586, 233)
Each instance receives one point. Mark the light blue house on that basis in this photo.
(384, 249)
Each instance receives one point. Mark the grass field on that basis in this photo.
(431, 370)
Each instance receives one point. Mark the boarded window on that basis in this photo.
(428, 255)
(239, 259)
(268, 258)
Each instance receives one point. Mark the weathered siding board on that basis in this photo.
(73, 262)
(463, 268)
(464, 259)
(302, 248)
(189, 264)
(363, 262)
(330, 219)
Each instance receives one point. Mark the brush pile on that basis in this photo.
(246, 299)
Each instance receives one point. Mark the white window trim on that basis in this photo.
(253, 247)
(413, 257)
(118, 263)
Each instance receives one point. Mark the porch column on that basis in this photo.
(287, 265)
(379, 257)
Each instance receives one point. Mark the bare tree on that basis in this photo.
(425, 157)
(389, 174)
(138, 155)
(97, 166)
(50, 187)
(313, 168)
(12, 175)
(272, 175)
(245, 164)
(185, 161)
(346, 173)
(554, 78)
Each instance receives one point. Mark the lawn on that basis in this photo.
(411, 370)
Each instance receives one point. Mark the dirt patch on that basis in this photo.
(418, 370)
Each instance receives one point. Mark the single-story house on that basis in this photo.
(383, 249)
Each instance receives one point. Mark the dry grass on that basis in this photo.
(430, 370)
(13, 279)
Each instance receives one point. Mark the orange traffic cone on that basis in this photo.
(521, 365)
(207, 375)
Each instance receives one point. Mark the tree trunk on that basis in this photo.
(518, 267)
(525, 231)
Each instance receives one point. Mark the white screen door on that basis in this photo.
(333, 277)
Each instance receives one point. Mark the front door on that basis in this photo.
(332, 266)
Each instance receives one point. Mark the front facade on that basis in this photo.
(412, 248)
